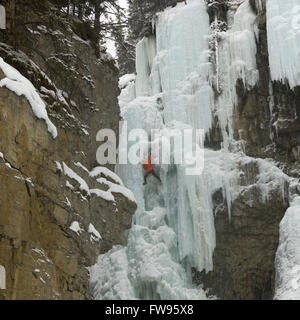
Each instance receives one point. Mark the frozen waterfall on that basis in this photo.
(173, 227)
(283, 26)
(173, 75)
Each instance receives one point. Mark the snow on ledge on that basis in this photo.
(95, 235)
(21, 86)
(73, 175)
(75, 226)
(97, 171)
(117, 187)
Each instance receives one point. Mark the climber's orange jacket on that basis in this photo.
(147, 165)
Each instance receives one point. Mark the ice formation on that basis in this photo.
(2, 278)
(146, 50)
(283, 27)
(237, 60)
(172, 79)
(287, 261)
(173, 227)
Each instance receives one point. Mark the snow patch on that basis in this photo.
(68, 203)
(58, 166)
(117, 187)
(125, 80)
(73, 175)
(69, 185)
(75, 226)
(15, 82)
(95, 234)
(98, 171)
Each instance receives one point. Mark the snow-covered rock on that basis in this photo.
(21, 86)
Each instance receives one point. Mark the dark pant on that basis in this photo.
(148, 174)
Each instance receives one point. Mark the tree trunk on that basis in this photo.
(97, 19)
(97, 28)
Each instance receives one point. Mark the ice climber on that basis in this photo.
(149, 169)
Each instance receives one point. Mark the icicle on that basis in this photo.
(237, 61)
(271, 109)
(146, 50)
(283, 27)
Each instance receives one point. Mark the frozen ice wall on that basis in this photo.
(287, 262)
(173, 227)
(182, 70)
(237, 60)
(146, 51)
(169, 231)
(283, 27)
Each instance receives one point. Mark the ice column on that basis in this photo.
(283, 27)
(237, 58)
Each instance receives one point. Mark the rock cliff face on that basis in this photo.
(52, 225)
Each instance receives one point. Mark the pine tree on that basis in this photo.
(125, 51)
(140, 15)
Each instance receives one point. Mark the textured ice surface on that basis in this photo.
(288, 255)
(182, 71)
(126, 79)
(237, 60)
(283, 27)
(173, 227)
(171, 88)
(146, 50)
(128, 93)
